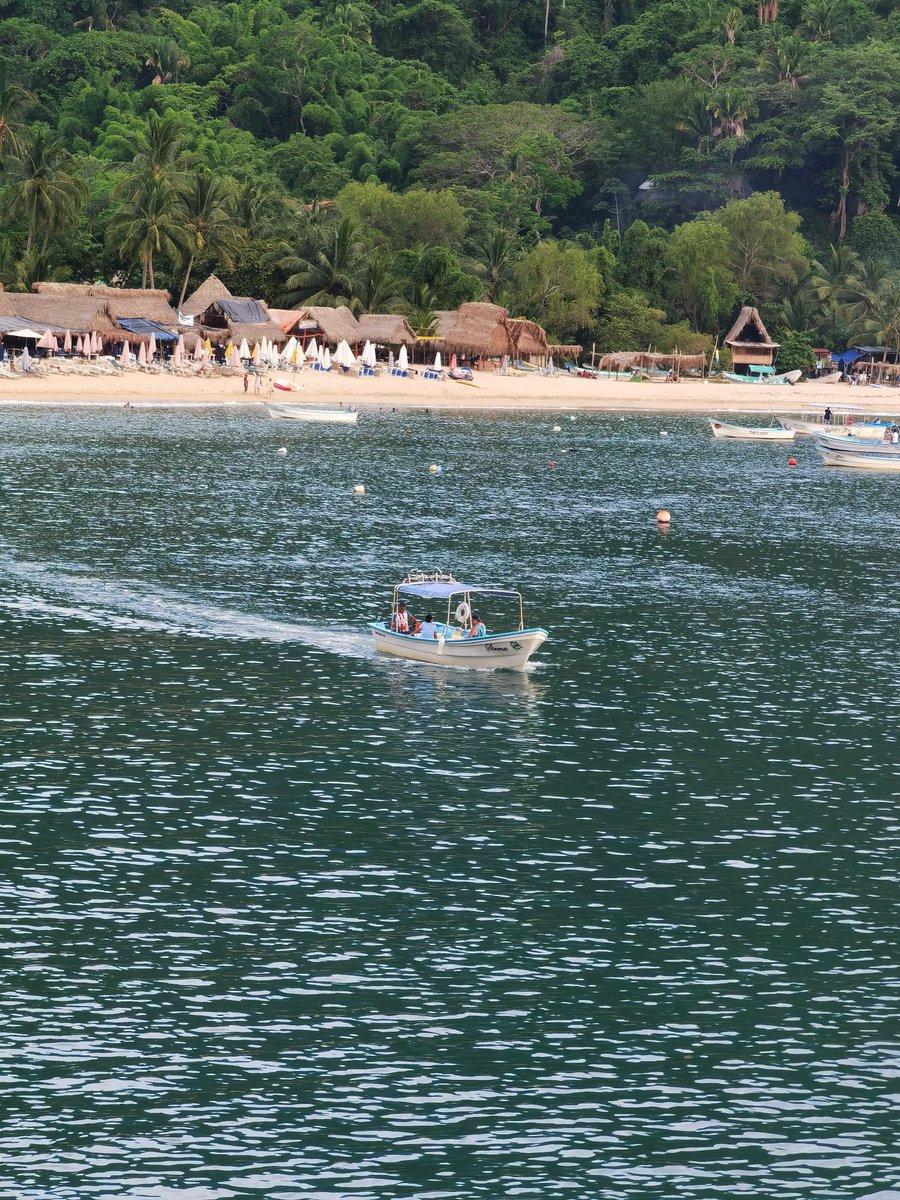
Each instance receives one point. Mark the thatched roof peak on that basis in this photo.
(749, 330)
(386, 329)
(212, 288)
(102, 290)
(336, 324)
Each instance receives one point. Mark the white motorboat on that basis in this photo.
(751, 433)
(304, 412)
(848, 443)
(454, 641)
(861, 457)
(831, 377)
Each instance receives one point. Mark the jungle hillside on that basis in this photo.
(626, 172)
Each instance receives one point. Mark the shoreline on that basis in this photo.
(491, 393)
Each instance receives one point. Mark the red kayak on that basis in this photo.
(282, 387)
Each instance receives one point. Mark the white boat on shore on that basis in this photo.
(453, 642)
(789, 377)
(303, 412)
(751, 433)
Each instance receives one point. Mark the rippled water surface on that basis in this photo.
(283, 920)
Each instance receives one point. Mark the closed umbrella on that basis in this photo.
(244, 350)
(289, 353)
(125, 356)
(199, 350)
(26, 360)
(312, 351)
(67, 343)
(79, 345)
(98, 344)
(151, 349)
(326, 360)
(178, 352)
(229, 350)
(437, 362)
(46, 341)
(257, 355)
(403, 359)
(452, 362)
(142, 355)
(235, 360)
(369, 356)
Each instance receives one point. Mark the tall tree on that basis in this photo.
(325, 269)
(494, 253)
(208, 213)
(14, 101)
(150, 225)
(43, 188)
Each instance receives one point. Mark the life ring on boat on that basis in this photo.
(462, 612)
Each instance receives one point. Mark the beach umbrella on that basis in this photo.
(199, 350)
(67, 344)
(178, 352)
(326, 360)
(368, 354)
(453, 363)
(142, 355)
(26, 360)
(312, 351)
(207, 346)
(98, 343)
(151, 349)
(437, 361)
(228, 350)
(257, 355)
(403, 359)
(79, 346)
(125, 356)
(47, 341)
(244, 349)
(289, 353)
(235, 360)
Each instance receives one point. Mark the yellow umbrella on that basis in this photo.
(228, 350)
(208, 345)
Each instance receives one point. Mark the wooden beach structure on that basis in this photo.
(749, 342)
(477, 331)
(529, 339)
(386, 329)
(237, 318)
(629, 361)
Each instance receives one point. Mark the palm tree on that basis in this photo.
(495, 254)
(376, 289)
(784, 62)
(799, 312)
(151, 224)
(767, 11)
(167, 60)
(208, 213)
(695, 120)
(881, 323)
(13, 102)
(18, 275)
(326, 268)
(834, 279)
(732, 23)
(160, 153)
(42, 190)
(421, 310)
(825, 20)
(731, 108)
(259, 210)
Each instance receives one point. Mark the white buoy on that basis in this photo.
(557, 428)
(282, 450)
(359, 489)
(434, 469)
(663, 433)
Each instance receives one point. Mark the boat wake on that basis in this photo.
(119, 605)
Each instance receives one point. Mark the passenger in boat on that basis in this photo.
(478, 627)
(403, 620)
(827, 415)
(428, 628)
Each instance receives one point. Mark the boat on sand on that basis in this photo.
(455, 642)
(751, 433)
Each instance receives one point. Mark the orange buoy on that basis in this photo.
(664, 517)
(792, 462)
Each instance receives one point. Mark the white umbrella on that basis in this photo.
(178, 352)
(326, 360)
(312, 351)
(125, 356)
(151, 349)
(142, 355)
(290, 350)
(257, 355)
(26, 360)
(437, 361)
(368, 354)
(199, 350)
(403, 359)
(98, 344)
(244, 350)
(67, 344)
(79, 346)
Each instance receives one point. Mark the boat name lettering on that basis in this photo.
(492, 649)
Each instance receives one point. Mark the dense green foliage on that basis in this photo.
(628, 177)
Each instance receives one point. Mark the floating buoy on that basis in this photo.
(359, 489)
(663, 433)
(792, 462)
(435, 469)
(664, 517)
(557, 428)
(282, 450)
(553, 464)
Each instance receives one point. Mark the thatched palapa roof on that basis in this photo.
(212, 288)
(749, 333)
(564, 351)
(479, 330)
(386, 329)
(152, 304)
(528, 337)
(78, 313)
(335, 324)
(626, 360)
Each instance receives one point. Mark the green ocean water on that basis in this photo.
(283, 920)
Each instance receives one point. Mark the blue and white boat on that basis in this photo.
(861, 453)
(455, 643)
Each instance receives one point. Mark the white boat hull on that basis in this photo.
(508, 651)
(299, 412)
(768, 433)
(844, 444)
(789, 377)
(884, 461)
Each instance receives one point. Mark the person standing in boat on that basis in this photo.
(827, 415)
(403, 620)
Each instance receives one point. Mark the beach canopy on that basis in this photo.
(443, 591)
(27, 334)
(144, 328)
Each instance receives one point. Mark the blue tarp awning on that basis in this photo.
(144, 328)
(443, 591)
(847, 357)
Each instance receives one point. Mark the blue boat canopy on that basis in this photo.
(431, 590)
(145, 328)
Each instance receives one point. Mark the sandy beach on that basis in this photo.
(490, 392)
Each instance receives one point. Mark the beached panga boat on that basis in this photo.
(749, 433)
(302, 412)
(787, 377)
(455, 645)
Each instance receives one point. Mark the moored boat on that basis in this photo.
(885, 458)
(749, 433)
(302, 412)
(848, 443)
(457, 641)
(789, 377)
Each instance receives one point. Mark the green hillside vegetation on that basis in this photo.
(627, 172)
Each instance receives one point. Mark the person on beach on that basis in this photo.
(478, 627)
(257, 383)
(246, 382)
(428, 628)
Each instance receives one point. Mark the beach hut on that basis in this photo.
(559, 353)
(238, 318)
(332, 325)
(749, 342)
(529, 339)
(477, 331)
(212, 288)
(386, 329)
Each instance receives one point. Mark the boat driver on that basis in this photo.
(403, 620)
